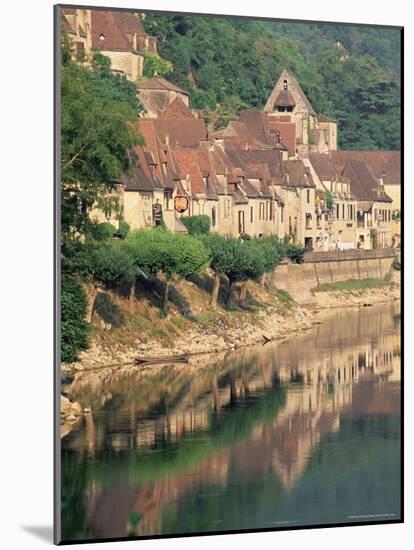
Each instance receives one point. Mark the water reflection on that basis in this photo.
(303, 431)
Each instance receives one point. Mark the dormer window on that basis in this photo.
(285, 84)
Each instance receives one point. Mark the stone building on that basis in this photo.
(336, 221)
(120, 36)
(157, 94)
(288, 104)
(76, 23)
(374, 207)
(385, 167)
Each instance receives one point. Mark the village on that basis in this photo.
(276, 171)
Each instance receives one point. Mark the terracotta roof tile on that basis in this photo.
(382, 164)
(323, 166)
(159, 84)
(363, 184)
(177, 109)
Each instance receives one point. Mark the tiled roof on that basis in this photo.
(263, 129)
(363, 184)
(291, 82)
(159, 84)
(284, 99)
(323, 166)
(106, 24)
(299, 175)
(324, 118)
(188, 165)
(385, 164)
(139, 179)
(177, 109)
(186, 132)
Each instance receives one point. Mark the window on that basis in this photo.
(241, 221)
(308, 196)
(251, 214)
(289, 109)
(343, 211)
(285, 84)
(281, 213)
(337, 211)
(261, 211)
(308, 221)
(271, 206)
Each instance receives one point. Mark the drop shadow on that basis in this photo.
(43, 532)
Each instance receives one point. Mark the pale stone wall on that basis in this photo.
(156, 101)
(320, 268)
(331, 131)
(127, 63)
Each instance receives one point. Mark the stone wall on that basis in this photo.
(320, 268)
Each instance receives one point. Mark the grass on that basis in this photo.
(356, 284)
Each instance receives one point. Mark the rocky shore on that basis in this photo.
(219, 337)
(70, 415)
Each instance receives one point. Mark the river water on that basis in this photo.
(300, 432)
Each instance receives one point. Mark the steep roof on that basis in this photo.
(323, 166)
(108, 24)
(265, 130)
(364, 186)
(177, 109)
(188, 164)
(156, 83)
(284, 99)
(382, 164)
(298, 174)
(324, 118)
(186, 132)
(292, 81)
(139, 179)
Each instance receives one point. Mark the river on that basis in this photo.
(304, 431)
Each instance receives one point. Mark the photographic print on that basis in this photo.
(228, 280)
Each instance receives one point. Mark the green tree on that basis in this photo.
(159, 251)
(196, 225)
(74, 329)
(154, 65)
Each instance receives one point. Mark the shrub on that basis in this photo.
(196, 225)
(112, 265)
(294, 252)
(102, 231)
(74, 328)
(329, 200)
(123, 230)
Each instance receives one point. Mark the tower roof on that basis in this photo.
(293, 83)
(284, 99)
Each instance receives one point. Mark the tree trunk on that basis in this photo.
(243, 292)
(229, 295)
(131, 296)
(165, 302)
(215, 291)
(262, 280)
(93, 291)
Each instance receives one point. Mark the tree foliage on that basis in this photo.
(196, 225)
(74, 328)
(228, 65)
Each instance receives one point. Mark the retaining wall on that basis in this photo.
(319, 268)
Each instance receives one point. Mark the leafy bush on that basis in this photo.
(329, 200)
(112, 265)
(123, 229)
(295, 253)
(102, 231)
(196, 225)
(74, 328)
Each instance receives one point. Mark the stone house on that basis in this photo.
(298, 196)
(157, 94)
(385, 167)
(336, 226)
(76, 23)
(121, 37)
(374, 207)
(288, 104)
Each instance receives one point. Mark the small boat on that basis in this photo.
(163, 359)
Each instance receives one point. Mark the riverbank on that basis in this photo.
(269, 313)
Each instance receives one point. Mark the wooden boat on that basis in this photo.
(163, 359)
